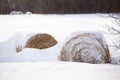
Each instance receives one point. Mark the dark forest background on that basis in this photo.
(60, 6)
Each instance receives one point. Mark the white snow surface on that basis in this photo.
(26, 65)
(58, 71)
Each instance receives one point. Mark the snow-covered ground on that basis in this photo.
(58, 71)
(16, 27)
(49, 68)
(59, 26)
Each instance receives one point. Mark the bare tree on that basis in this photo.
(60, 6)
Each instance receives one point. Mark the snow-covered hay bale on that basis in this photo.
(88, 47)
(38, 41)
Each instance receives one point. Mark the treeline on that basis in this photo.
(60, 6)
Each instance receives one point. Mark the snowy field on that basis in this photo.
(59, 26)
(34, 64)
(58, 71)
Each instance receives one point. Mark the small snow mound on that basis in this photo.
(87, 47)
(37, 40)
(19, 12)
(16, 13)
(28, 12)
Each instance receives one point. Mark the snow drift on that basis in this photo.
(19, 12)
(66, 24)
(38, 41)
(58, 71)
(89, 47)
(115, 56)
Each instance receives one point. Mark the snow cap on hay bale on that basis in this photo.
(88, 47)
(38, 41)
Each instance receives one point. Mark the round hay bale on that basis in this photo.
(88, 47)
(38, 41)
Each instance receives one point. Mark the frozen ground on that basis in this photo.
(26, 65)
